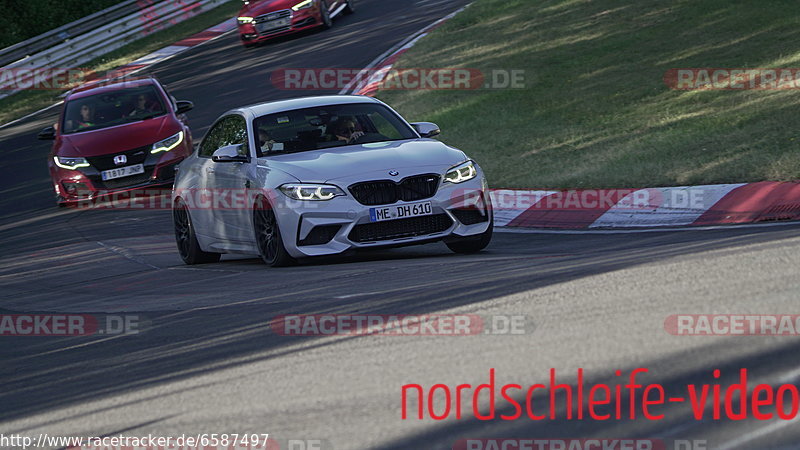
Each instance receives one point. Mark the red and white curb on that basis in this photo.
(384, 63)
(721, 204)
(181, 46)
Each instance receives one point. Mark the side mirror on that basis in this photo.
(229, 153)
(426, 129)
(47, 134)
(183, 106)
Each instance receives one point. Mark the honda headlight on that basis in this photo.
(461, 173)
(302, 5)
(303, 191)
(243, 20)
(70, 163)
(168, 143)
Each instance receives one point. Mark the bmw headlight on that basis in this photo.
(461, 173)
(244, 19)
(70, 163)
(168, 143)
(302, 5)
(304, 191)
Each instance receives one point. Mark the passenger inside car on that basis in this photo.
(345, 129)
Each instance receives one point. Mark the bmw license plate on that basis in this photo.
(400, 211)
(273, 25)
(122, 172)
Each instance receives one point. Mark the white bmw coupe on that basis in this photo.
(317, 176)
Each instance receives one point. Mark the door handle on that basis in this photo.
(210, 170)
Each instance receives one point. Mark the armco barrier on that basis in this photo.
(54, 37)
(109, 36)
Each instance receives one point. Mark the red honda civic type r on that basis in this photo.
(260, 20)
(116, 136)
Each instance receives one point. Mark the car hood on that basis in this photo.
(117, 139)
(368, 162)
(259, 7)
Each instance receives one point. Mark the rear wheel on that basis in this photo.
(472, 244)
(185, 237)
(268, 235)
(350, 7)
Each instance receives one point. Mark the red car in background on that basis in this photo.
(261, 20)
(116, 136)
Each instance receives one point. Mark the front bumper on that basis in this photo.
(85, 183)
(335, 226)
(301, 20)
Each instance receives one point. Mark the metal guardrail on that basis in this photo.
(103, 38)
(44, 41)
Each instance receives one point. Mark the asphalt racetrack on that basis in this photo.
(206, 360)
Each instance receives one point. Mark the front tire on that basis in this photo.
(268, 236)
(472, 244)
(325, 14)
(185, 237)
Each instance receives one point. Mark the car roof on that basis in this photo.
(262, 109)
(106, 85)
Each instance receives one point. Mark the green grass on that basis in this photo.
(595, 111)
(26, 102)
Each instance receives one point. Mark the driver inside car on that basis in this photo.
(266, 143)
(85, 119)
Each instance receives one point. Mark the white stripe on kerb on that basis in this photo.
(508, 204)
(677, 206)
(158, 55)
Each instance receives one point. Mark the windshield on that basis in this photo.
(112, 108)
(327, 127)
